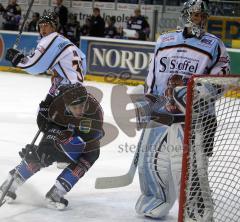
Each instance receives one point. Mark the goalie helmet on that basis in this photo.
(195, 6)
(50, 18)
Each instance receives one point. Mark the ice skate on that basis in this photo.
(11, 193)
(55, 199)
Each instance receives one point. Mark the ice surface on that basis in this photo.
(19, 99)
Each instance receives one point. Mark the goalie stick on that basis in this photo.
(2, 201)
(165, 118)
(123, 180)
(126, 179)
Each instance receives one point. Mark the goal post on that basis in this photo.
(210, 181)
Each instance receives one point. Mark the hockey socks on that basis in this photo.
(26, 170)
(64, 183)
(70, 175)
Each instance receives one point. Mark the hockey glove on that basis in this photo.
(14, 56)
(34, 157)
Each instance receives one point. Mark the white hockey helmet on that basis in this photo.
(195, 6)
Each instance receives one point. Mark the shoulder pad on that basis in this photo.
(209, 35)
(170, 31)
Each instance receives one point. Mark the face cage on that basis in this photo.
(196, 30)
(47, 22)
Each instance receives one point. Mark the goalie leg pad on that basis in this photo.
(176, 135)
(155, 176)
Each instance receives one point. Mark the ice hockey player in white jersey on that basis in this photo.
(178, 55)
(54, 52)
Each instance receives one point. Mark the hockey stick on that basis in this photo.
(123, 180)
(126, 179)
(17, 41)
(2, 201)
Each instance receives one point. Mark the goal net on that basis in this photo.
(210, 184)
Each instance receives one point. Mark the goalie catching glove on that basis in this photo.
(150, 107)
(153, 108)
(204, 97)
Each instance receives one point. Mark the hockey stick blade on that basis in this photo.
(117, 181)
(123, 180)
(2, 201)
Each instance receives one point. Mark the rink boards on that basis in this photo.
(108, 60)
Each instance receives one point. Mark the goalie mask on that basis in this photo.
(194, 17)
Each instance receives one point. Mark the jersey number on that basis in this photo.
(77, 65)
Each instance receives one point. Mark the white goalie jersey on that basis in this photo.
(175, 60)
(176, 55)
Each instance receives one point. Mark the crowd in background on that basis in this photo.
(136, 27)
(11, 15)
(70, 27)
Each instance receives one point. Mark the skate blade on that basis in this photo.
(55, 205)
(8, 200)
(3, 202)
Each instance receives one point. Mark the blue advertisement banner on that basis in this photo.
(117, 58)
(27, 44)
(106, 58)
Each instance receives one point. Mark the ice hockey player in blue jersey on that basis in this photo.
(72, 131)
(178, 55)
